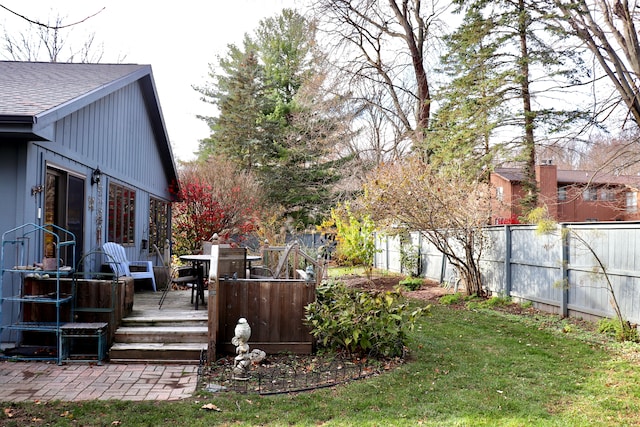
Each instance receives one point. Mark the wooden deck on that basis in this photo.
(176, 333)
(175, 302)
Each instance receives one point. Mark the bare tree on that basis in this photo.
(49, 41)
(446, 207)
(607, 28)
(382, 47)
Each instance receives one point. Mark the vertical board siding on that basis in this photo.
(115, 134)
(273, 308)
(534, 271)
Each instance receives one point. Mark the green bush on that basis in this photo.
(361, 322)
(621, 333)
(355, 235)
(451, 299)
(497, 301)
(411, 283)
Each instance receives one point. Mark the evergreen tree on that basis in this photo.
(500, 53)
(264, 125)
(471, 104)
(238, 132)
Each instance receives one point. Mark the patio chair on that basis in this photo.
(178, 276)
(264, 272)
(120, 264)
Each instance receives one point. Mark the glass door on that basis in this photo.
(64, 207)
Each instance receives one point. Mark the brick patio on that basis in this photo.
(37, 381)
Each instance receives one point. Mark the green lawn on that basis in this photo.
(467, 368)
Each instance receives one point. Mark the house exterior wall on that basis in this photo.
(508, 208)
(13, 188)
(576, 209)
(547, 179)
(14, 192)
(565, 202)
(115, 135)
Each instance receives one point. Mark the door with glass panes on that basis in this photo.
(64, 207)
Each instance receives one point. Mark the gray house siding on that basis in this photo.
(115, 135)
(75, 118)
(12, 185)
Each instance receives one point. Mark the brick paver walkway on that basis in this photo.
(37, 381)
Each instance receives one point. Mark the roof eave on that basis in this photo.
(19, 127)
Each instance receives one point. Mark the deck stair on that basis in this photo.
(174, 334)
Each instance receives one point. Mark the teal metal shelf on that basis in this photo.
(21, 257)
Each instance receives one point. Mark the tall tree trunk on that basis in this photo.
(529, 184)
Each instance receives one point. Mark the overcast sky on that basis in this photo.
(177, 38)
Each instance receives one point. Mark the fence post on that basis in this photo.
(507, 260)
(386, 252)
(564, 300)
(213, 316)
(421, 269)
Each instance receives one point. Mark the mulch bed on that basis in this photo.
(287, 373)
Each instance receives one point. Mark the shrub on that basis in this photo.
(411, 283)
(355, 235)
(621, 332)
(409, 257)
(498, 301)
(361, 322)
(451, 299)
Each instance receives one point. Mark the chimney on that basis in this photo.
(547, 179)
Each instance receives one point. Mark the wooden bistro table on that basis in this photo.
(200, 264)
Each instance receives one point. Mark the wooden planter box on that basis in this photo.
(94, 302)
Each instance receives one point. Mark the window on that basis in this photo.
(590, 194)
(562, 193)
(158, 223)
(500, 193)
(632, 201)
(122, 214)
(607, 194)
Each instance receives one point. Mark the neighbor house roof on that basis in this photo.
(34, 95)
(567, 177)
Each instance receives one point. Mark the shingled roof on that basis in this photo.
(33, 88)
(34, 95)
(568, 177)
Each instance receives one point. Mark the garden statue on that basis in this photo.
(240, 340)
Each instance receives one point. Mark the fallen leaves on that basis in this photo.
(211, 407)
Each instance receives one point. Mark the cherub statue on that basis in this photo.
(240, 340)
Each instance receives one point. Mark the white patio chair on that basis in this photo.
(120, 264)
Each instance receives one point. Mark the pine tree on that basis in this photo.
(264, 125)
(497, 57)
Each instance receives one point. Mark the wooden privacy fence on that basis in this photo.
(274, 308)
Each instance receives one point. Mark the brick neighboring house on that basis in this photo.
(570, 195)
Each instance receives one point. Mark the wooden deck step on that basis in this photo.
(174, 334)
(184, 353)
(164, 334)
(150, 320)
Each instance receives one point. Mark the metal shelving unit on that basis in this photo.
(20, 249)
(88, 330)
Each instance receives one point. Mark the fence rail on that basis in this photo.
(555, 271)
